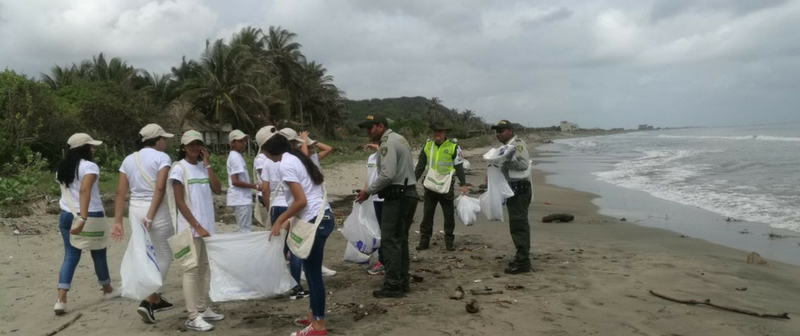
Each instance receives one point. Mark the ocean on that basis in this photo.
(700, 181)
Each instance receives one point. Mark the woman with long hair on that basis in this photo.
(305, 196)
(144, 173)
(79, 175)
(192, 175)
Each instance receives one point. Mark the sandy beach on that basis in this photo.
(591, 277)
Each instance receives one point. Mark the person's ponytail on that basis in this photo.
(278, 145)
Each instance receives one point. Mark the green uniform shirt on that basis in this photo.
(518, 167)
(395, 165)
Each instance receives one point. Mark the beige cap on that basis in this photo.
(310, 142)
(289, 133)
(264, 134)
(236, 135)
(152, 131)
(190, 136)
(80, 139)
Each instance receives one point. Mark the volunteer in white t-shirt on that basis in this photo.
(305, 195)
(377, 202)
(144, 173)
(240, 196)
(79, 175)
(192, 176)
(260, 213)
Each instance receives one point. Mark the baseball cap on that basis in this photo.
(152, 131)
(372, 120)
(502, 124)
(289, 133)
(80, 139)
(190, 136)
(264, 134)
(236, 135)
(310, 142)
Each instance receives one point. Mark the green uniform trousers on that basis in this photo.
(395, 223)
(426, 226)
(519, 226)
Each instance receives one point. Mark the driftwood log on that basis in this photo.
(562, 217)
(707, 302)
(475, 292)
(65, 325)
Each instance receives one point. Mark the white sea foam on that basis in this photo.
(743, 137)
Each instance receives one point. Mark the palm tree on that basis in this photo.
(60, 78)
(284, 59)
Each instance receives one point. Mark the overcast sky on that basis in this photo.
(597, 63)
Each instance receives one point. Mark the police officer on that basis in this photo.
(441, 156)
(395, 184)
(517, 171)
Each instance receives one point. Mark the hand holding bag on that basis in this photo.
(94, 235)
(302, 233)
(182, 243)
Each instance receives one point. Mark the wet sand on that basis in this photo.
(591, 277)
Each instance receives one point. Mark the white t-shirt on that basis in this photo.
(74, 189)
(315, 158)
(292, 170)
(237, 195)
(201, 202)
(152, 161)
(270, 171)
(372, 173)
(258, 164)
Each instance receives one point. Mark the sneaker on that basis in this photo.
(145, 310)
(162, 305)
(298, 293)
(302, 322)
(378, 269)
(198, 324)
(60, 308)
(327, 272)
(210, 315)
(309, 331)
(115, 293)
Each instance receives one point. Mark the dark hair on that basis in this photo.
(278, 144)
(146, 143)
(68, 167)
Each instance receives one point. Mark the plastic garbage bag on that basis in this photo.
(466, 164)
(467, 209)
(361, 228)
(139, 271)
(498, 190)
(351, 254)
(247, 266)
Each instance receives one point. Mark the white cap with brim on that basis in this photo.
(191, 136)
(81, 139)
(310, 142)
(289, 133)
(236, 135)
(264, 134)
(152, 131)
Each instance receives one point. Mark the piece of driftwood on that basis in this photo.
(65, 325)
(707, 302)
(754, 258)
(476, 292)
(562, 217)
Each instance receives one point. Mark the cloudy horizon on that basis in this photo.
(606, 64)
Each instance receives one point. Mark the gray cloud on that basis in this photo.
(601, 63)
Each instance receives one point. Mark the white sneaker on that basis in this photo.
(60, 308)
(115, 293)
(327, 272)
(198, 324)
(210, 315)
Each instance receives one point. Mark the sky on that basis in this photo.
(597, 63)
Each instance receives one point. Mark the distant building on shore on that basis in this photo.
(567, 126)
(645, 127)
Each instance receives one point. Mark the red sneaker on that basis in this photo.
(310, 331)
(302, 322)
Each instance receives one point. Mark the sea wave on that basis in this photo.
(663, 174)
(742, 137)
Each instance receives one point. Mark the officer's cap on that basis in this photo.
(502, 124)
(373, 120)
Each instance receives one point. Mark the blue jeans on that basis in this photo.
(295, 263)
(378, 211)
(72, 255)
(313, 266)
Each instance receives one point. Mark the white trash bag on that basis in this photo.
(247, 266)
(361, 228)
(351, 254)
(139, 271)
(467, 209)
(498, 190)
